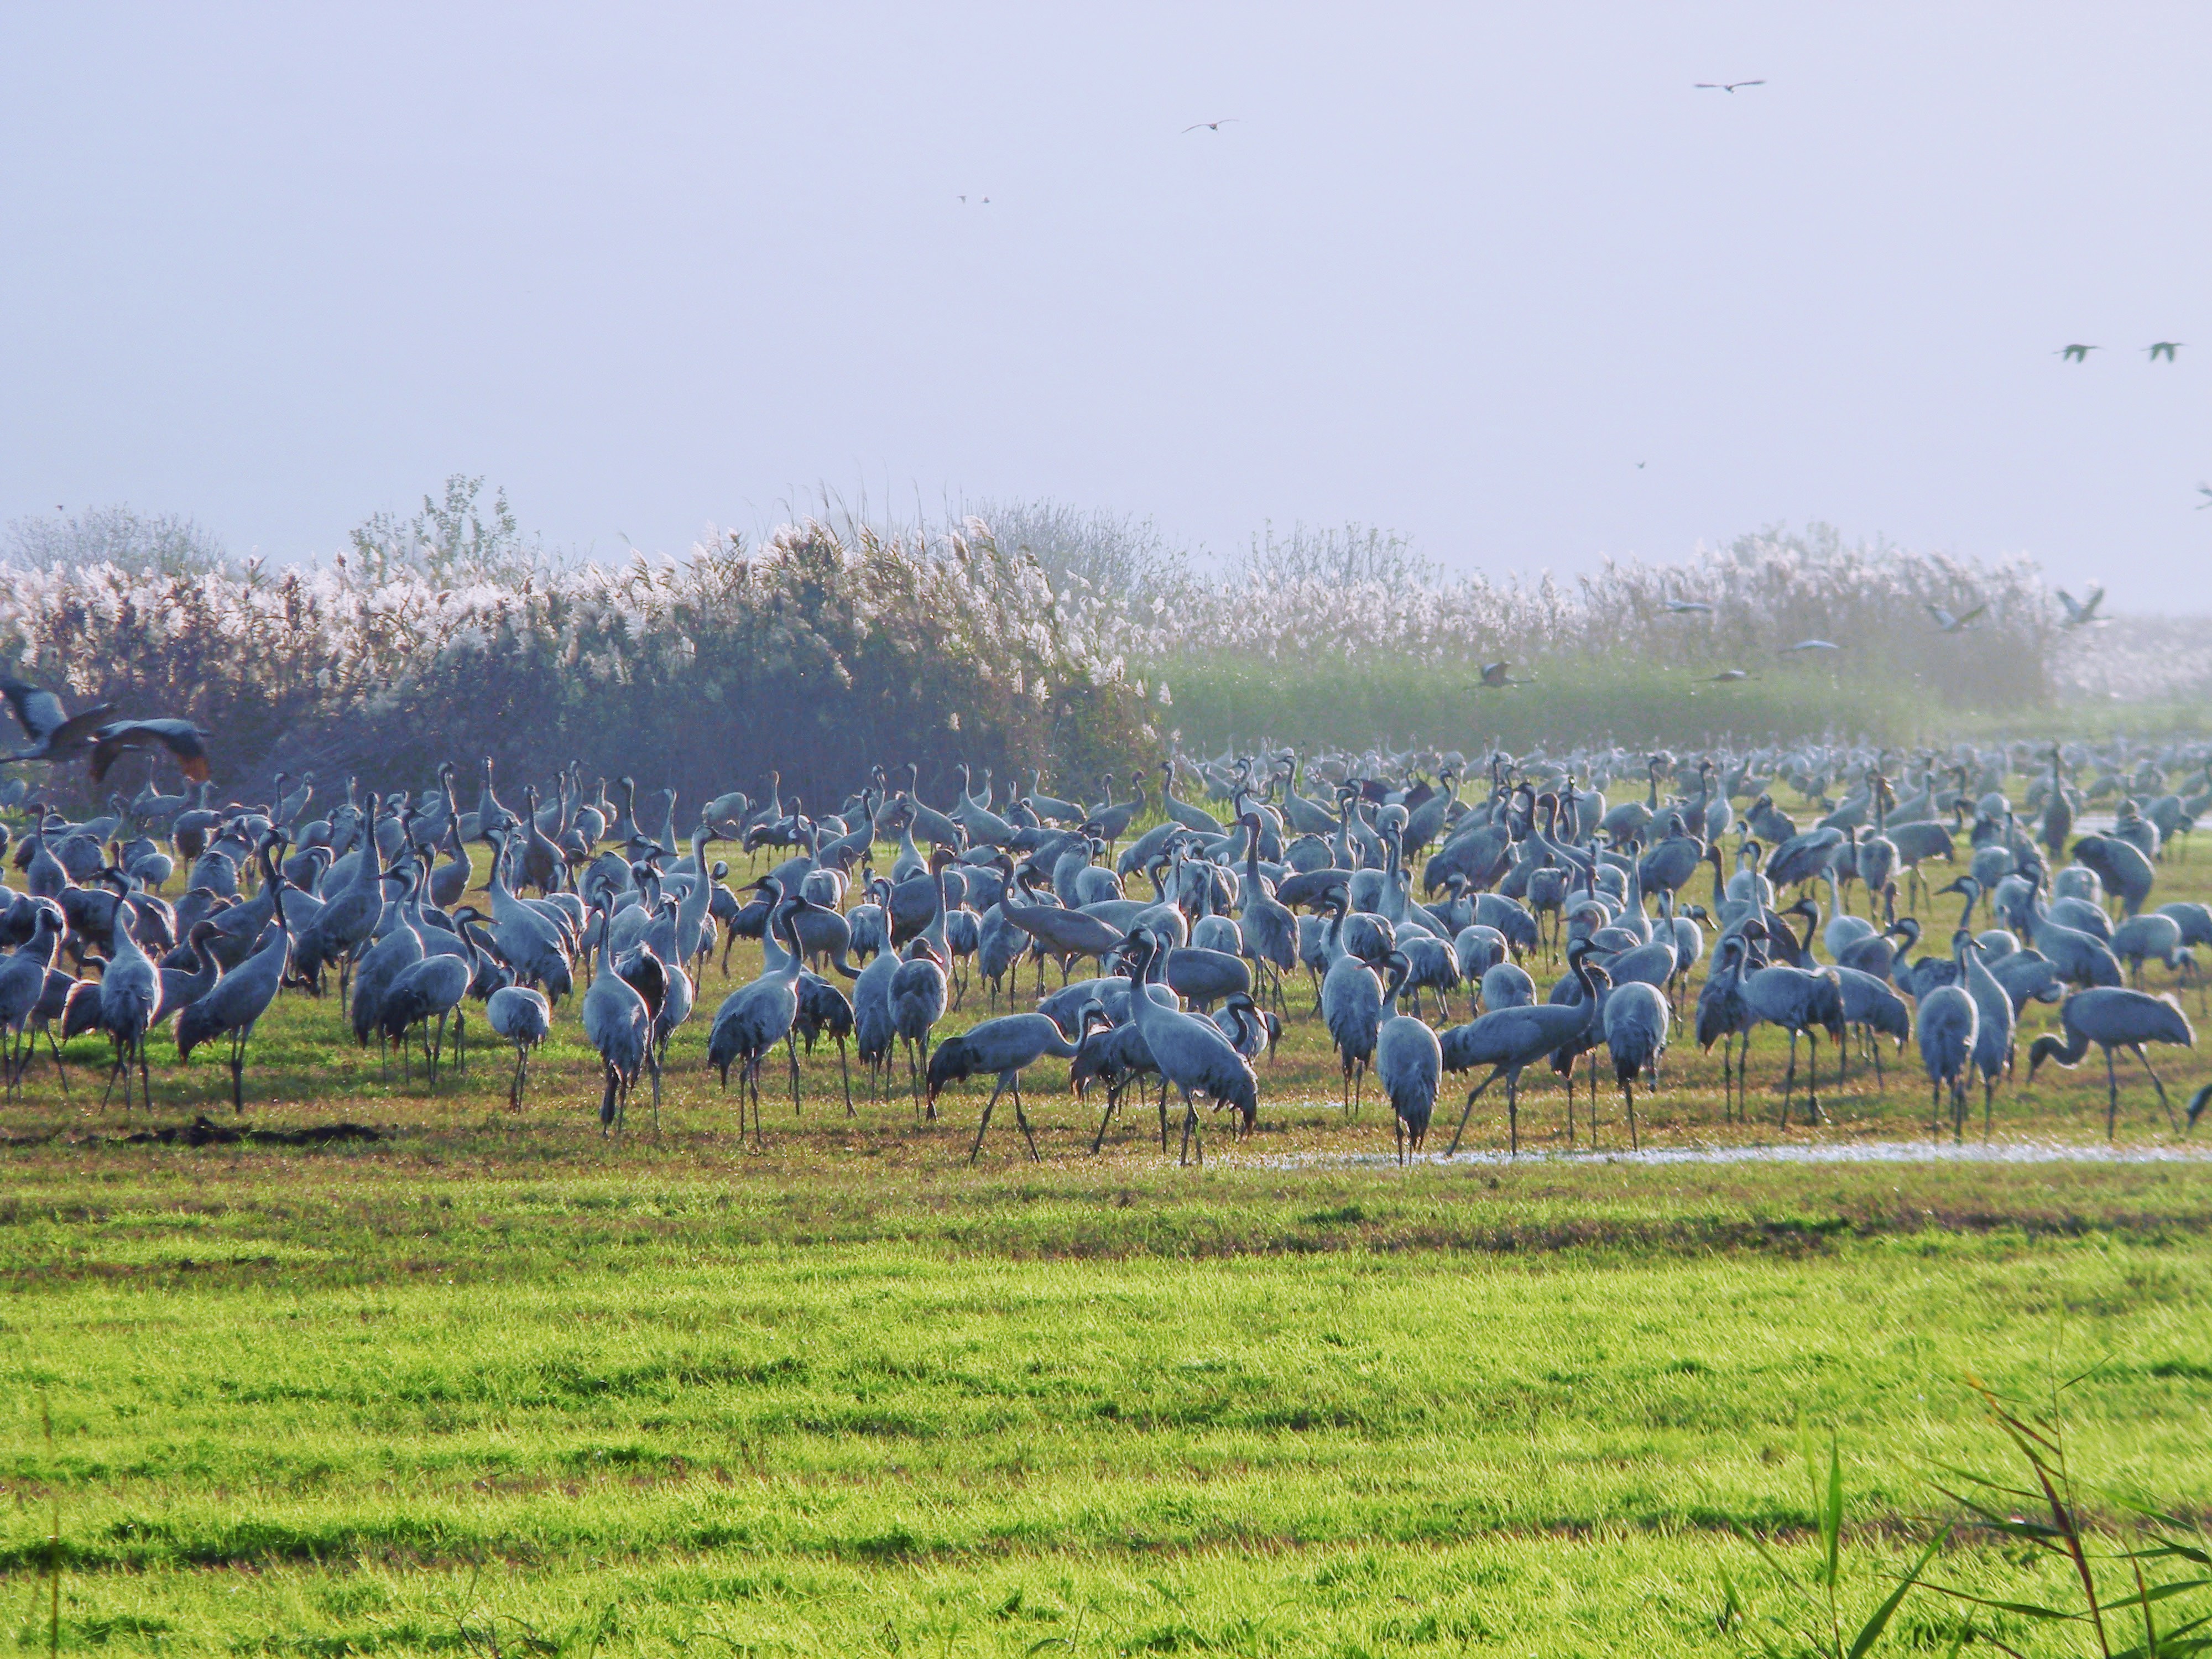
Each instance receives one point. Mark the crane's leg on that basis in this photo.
(1163, 1112)
(1398, 1134)
(985, 1121)
(2173, 1122)
(1469, 1111)
(930, 1115)
(846, 1072)
(1022, 1118)
(146, 1088)
(1513, 1115)
(1789, 1079)
(1812, 1077)
(238, 1075)
(2112, 1099)
(1571, 1113)
(1628, 1089)
(790, 1053)
(1099, 1139)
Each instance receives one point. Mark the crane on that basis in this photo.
(2113, 1016)
(242, 995)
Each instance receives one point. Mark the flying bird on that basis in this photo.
(1812, 645)
(183, 740)
(1948, 624)
(55, 734)
(2205, 490)
(2083, 613)
(2078, 354)
(1685, 607)
(1497, 676)
(1725, 86)
(1214, 126)
(1729, 676)
(2165, 348)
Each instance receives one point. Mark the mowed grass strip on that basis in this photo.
(462, 1394)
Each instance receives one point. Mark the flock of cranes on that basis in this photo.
(1386, 881)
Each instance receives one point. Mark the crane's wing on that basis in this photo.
(1943, 618)
(37, 710)
(183, 740)
(1975, 612)
(2089, 605)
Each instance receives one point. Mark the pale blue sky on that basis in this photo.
(1454, 270)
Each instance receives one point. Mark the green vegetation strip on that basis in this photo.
(410, 1397)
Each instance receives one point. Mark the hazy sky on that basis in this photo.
(1454, 270)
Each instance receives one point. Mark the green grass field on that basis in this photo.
(488, 1382)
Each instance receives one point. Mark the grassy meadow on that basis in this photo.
(463, 1380)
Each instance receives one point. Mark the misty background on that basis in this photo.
(1500, 280)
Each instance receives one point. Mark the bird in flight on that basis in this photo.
(2082, 613)
(1685, 607)
(183, 740)
(2205, 490)
(1814, 644)
(1214, 127)
(1729, 676)
(1497, 676)
(2165, 348)
(59, 736)
(1725, 86)
(986, 202)
(2078, 354)
(1948, 624)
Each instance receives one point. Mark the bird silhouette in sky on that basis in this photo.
(1948, 624)
(2165, 348)
(1497, 676)
(1214, 127)
(2205, 490)
(1729, 676)
(1685, 607)
(1726, 86)
(1814, 644)
(2082, 613)
(2078, 354)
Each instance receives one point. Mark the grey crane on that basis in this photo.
(242, 995)
(1510, 1040)
(617, 1024)
(1994, 1021)
(755, 1017)
(2113, 1016)
(22, 983)
(433, 989)
(1351, 1008)
(2058, 809)
(186, 744)
(519, 1016)
(1945, 1029)
(1270, 930)
(1192, 1053)
(1409, 1065)
(130, 1005)
(56, 735)
(1803, 857)
(1635, 1018)
(1800, 1001)
(874, 1031)
(1003, 1049)
(917, 995)
(2120, 865)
